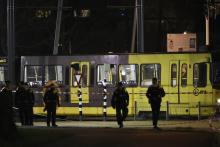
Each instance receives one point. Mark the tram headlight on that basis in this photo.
(218, 101)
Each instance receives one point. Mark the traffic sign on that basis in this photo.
(78, 78)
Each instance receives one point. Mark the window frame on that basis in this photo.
(159, 80)
(137, 75)
(44, 72)
(5, 67)
(171, 78)
(110, 85)
(199, 86)
(182, 78)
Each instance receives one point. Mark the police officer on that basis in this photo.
(51, 100)
(7, 126)
(120, 101)
(154, 95)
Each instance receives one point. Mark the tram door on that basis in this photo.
(79, 79)
(179, 89)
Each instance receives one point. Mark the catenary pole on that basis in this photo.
(11, 41)
(58, 25)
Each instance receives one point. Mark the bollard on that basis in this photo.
(199, 110)
(135, 109)
(80, 102)
(167, 112)
(104, 101)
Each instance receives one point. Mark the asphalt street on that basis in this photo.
(183, 133)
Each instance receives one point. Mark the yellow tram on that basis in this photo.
(187, 79)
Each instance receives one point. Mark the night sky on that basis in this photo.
(106, 28)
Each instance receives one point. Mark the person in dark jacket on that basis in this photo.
(154, 95)
(120, 101)
(20, 102)
(7, 125)
(51, 100)
(29, 103)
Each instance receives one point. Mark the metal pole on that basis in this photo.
(80, 102)
(206, 31)
(104, 100)
(134, 30)
(199, 110)
(140, 26)
(135, 109)
(11, 41)
(58, 24)
(167, 113)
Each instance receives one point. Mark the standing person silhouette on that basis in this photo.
(51, 100)
(30, 99)
(7, 125)
(154, 95)
(20, 97)
(120, 101)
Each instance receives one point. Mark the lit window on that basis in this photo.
(33, 75)
(106, 72)
(199, 75)
(54, 73)
(84, 76)
(128, 74)
(82, 13)
(3, 74)
(173, 75)
(43, 13)
(149, 71)
(184, 75)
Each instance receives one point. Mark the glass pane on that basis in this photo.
(107, 72)
(33, 75)
(173, 75)
(128, 74)
(3, 74)
(150, 71)
(84, 75)
(83, 72)
(74, 82)
(199, 75)
(184, 75)
(54, 73)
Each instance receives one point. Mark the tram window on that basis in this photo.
(199, 75)
(128, 74)
(84, 75)
(173, 75)
(3, 74)
(184, 75)
(54, 73)
(33, 75)
(149, 71)
(107, 72)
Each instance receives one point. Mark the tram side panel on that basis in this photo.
(184, 101)
(182, 97)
